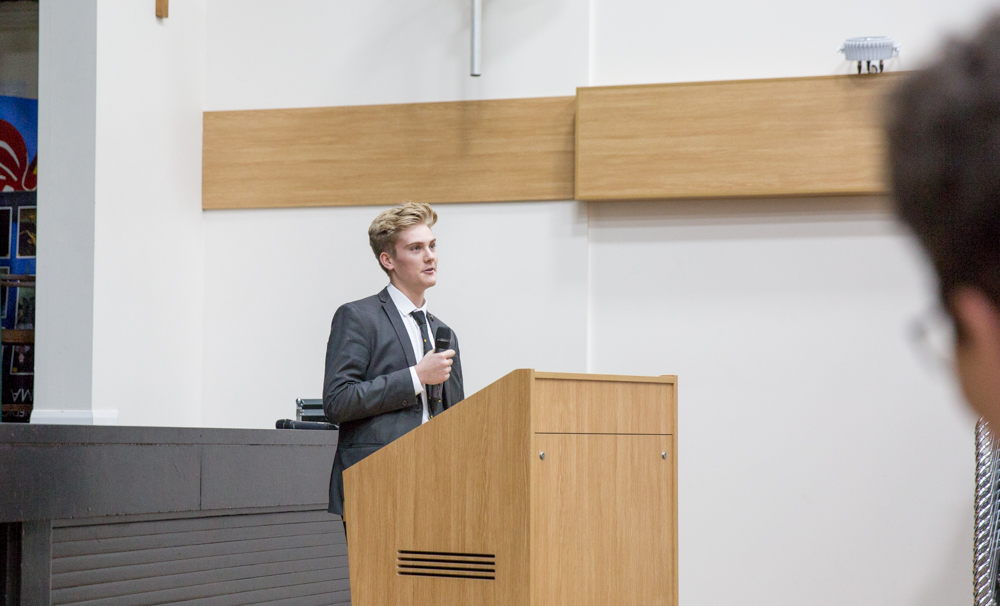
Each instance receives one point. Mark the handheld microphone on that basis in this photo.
(442, 342)
(442, 339)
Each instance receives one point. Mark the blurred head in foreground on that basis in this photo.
(944, 162)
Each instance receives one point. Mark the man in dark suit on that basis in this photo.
(380, 358)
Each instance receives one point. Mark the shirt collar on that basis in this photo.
(403, 303)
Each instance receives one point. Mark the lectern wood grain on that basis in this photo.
(603, 521)
(465, 509)
(458, 484)
(783, 137)
(466, 151)
(583, 406)
(575, 376)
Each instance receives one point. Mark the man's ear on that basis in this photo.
(977, 352)
(978, 318)
(386, 260)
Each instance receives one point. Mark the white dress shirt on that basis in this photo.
(406, 307)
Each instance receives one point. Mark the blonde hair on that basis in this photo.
(385, 229)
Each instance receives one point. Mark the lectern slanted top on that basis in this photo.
(542, 489)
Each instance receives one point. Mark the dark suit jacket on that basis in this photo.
(367, 388)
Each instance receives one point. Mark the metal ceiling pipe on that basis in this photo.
(477, 32)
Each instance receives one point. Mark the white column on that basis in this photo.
(67, 112)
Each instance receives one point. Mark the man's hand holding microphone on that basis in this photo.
(435, 368)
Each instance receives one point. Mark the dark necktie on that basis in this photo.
(425, 332)
(424, 329)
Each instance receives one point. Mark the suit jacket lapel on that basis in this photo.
(397, 324)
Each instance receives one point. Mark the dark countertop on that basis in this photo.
(25, 433)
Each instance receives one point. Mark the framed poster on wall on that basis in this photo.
(18, 180)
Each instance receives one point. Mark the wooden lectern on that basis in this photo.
(542, 489)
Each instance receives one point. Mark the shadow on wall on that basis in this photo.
(745, 219)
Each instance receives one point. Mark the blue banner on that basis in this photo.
(22, 114)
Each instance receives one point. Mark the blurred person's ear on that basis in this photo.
(977, 350)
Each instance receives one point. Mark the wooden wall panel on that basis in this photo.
(468, 151)
(783, 137)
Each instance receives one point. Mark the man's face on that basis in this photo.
(414, 264)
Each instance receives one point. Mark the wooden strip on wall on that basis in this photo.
(783, 137)
(466, 151)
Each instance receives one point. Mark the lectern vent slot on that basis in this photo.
(446, 564)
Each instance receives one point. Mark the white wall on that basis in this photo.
(149, 247)
(642, 41)
(380, 51)
(821, 461)
(64, 313)
(121, 257)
